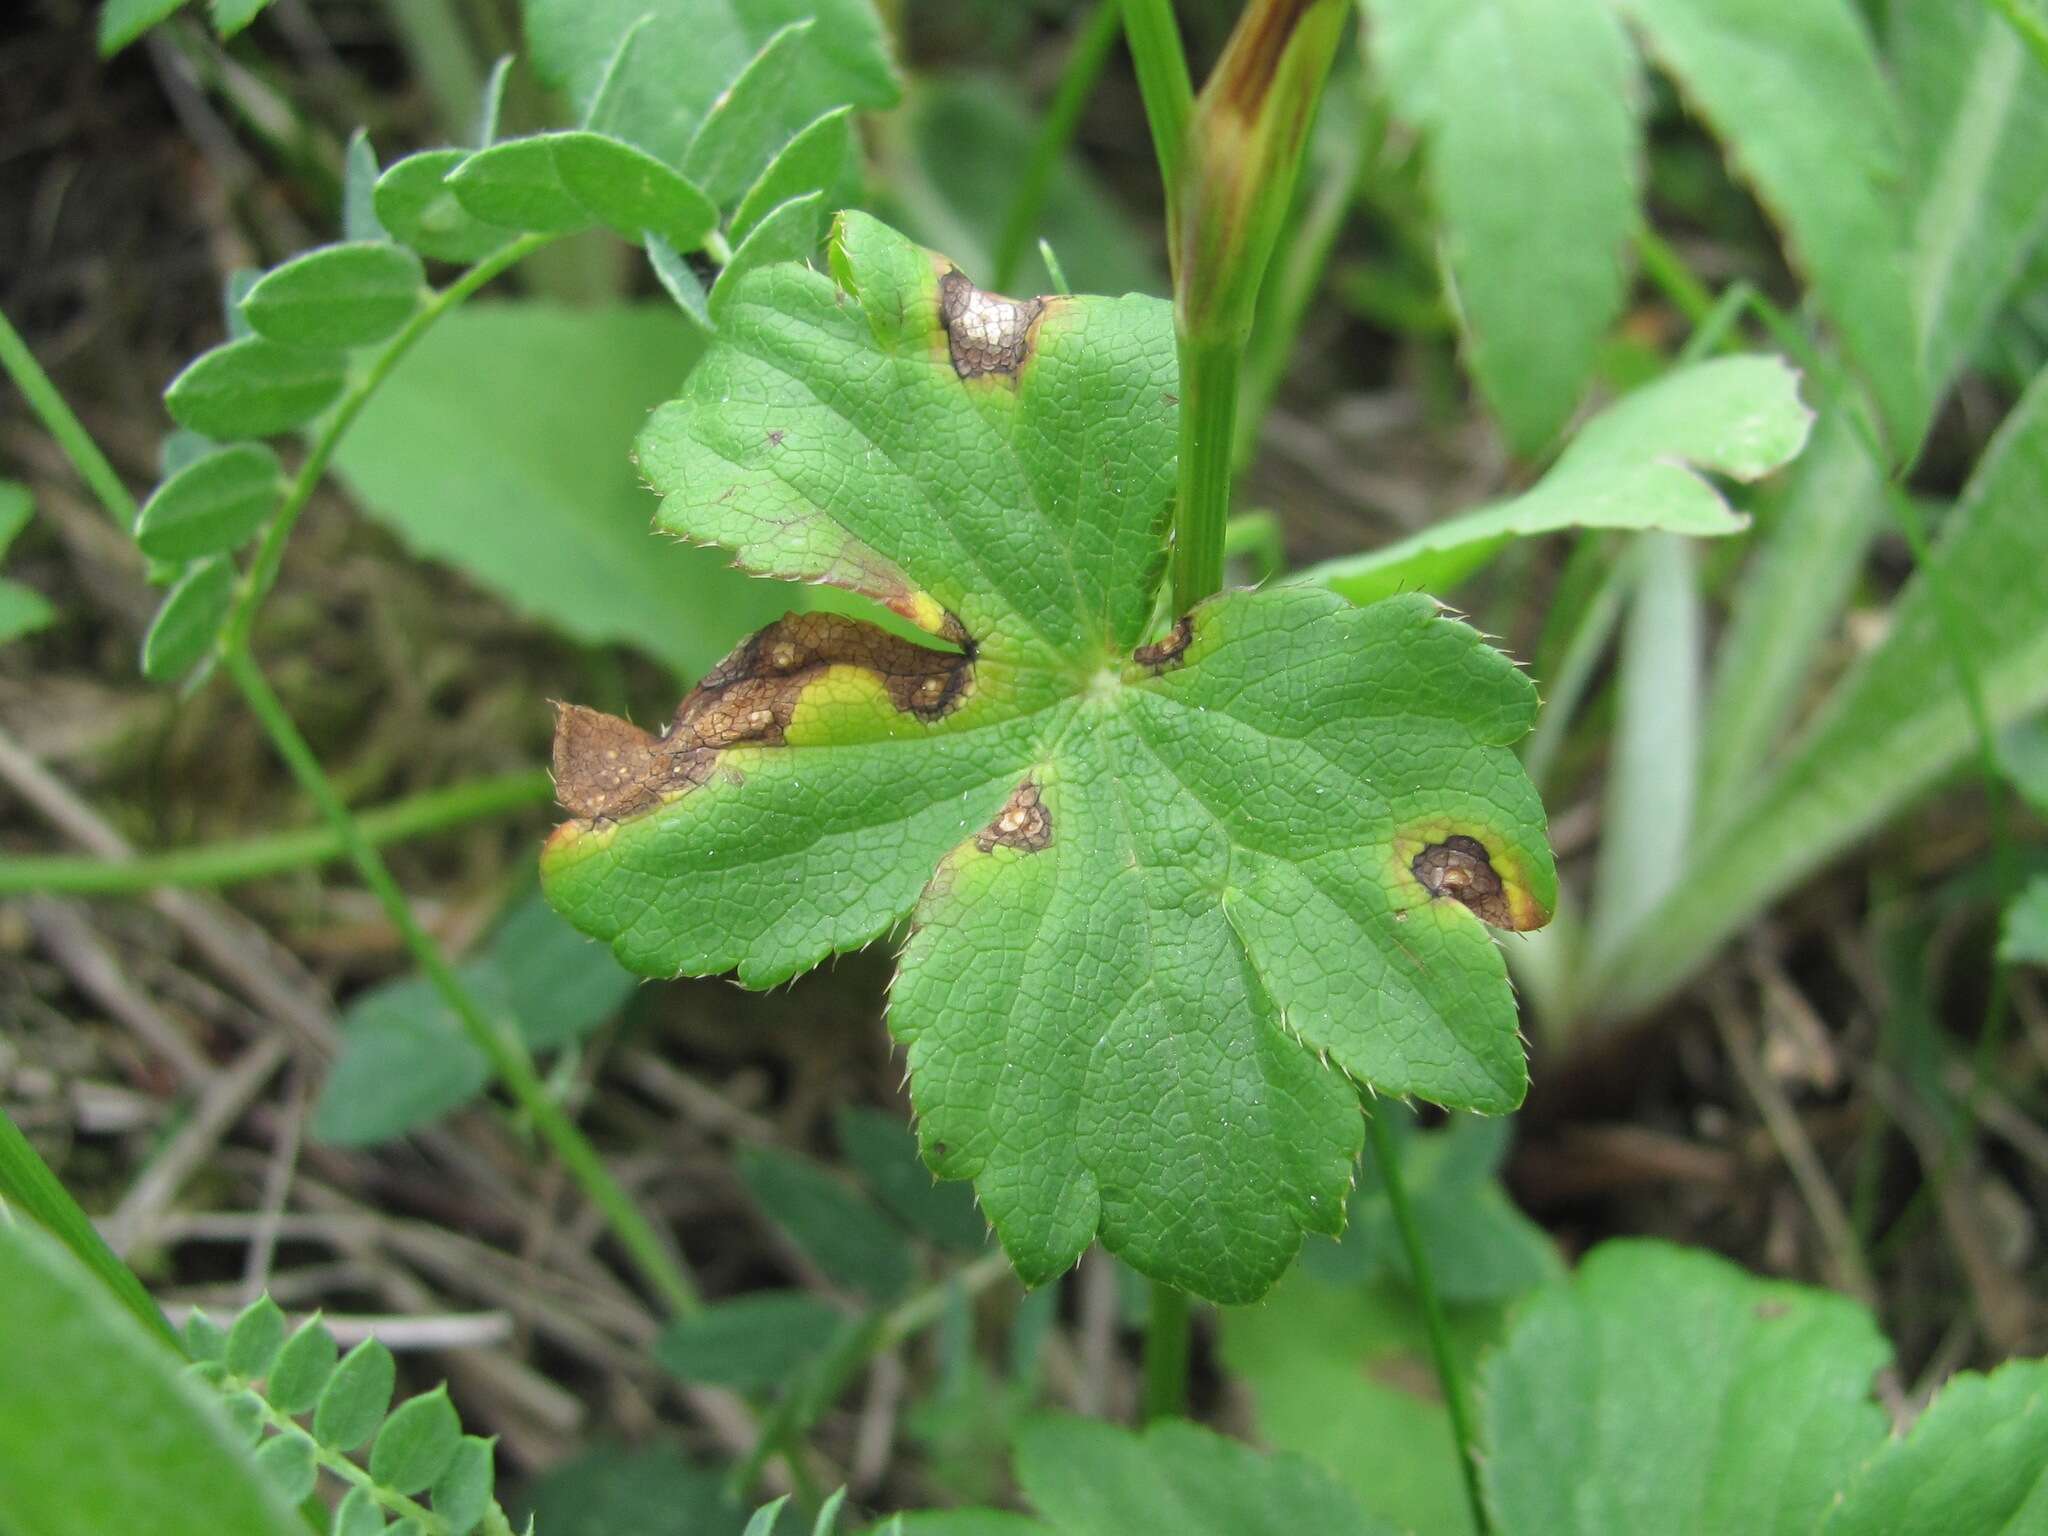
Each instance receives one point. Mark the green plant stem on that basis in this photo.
(1448, 1376)
(1098, 33)
(2031, 26)
(505, 1052)
(1169, 1338)
(1208, 406)
(254, 858)
(57, 418)
(262, 573)
(26, 1182)
(1153, 37)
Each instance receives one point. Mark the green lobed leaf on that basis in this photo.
(750, 1342)
(417, 1443)
(1531, 108)
(415, 203)
(1974, 1464)
(1665, 1390)
(1799, 97)
(100, 1429)
(817, 159)
(1166, 897)
(339, 296)
(1636, 465)
(190, 620)
(254, 387)
(689, 51)
(1343, 1375)
(353, 1402)
(1890, 729)
(303, 1365)
(212, 505)
(255, 1339)
(500, 446)
(462, 1493)
(837, 1229)
(884, 1152)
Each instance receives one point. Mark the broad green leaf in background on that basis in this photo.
(1342, 1375)
(1092, 1479)
(1974, 1464)
(500, 445)
(1531, 108)
(1636, 465)
(607, 1490)
(2023, 932)
(884, 1153)
(1176, 883)
(23, 610)
(405, 1060)
(1799, 98)
(99, 1428)
(952, 173)
(212, 505)
(1893, 726)
(1665, 1390)
(689, 51)
(337, 296)
(837, 1228)
(752, 1342)
(254, 387)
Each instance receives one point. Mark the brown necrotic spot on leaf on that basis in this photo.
(986, 332)
(1166, 652)
(607, 769)
(1460, 867)
(1023, 823)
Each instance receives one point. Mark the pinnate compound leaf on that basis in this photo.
(1531, 110)
(255, 1339)
(1799, 98)
(352, 1404)
(787, 232)
(190, 620)
(254, 387)
(358, 1515)
(1635, 465)
(212, 505)
(1161, 891)
(462, 1493)
(1974, 1464)
(815, 160)
(301, 1369)
(290, 1461)
(688, 51)
(742, 130)
(557, 183)
(99, 1424)
(340, 296)
(417, 1443)
(1665, 1390)
(415, 203)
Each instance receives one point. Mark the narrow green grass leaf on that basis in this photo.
(462, 1493)
(1800, 99)
(415, 203)
(189, 622)
(763, 1520)
(815, 160)
(304, 1363)
(211, 506)
(751, 1342)
(1754, 1393)
(745, 125)
(100, 1429)
(337, 297)
(1531, 108)
(357, 1394)
(828, 1516)
(1639, 464)
(254, 387)
(417, 1443)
